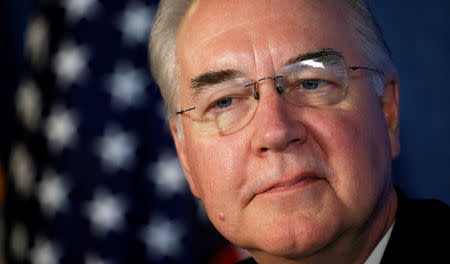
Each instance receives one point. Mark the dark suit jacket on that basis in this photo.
(421, 233)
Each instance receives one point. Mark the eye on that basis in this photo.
(224, 102)
(311, 84)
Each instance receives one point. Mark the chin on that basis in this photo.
(293, 238)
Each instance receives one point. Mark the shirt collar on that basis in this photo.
(377, 253)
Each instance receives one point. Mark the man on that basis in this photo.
(285, 119)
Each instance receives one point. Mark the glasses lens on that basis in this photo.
(225, 107)
(315, 82)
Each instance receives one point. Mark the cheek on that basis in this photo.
(217, 170)
(357, 148)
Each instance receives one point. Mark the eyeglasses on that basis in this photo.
(228, 106)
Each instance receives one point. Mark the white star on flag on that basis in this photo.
(29, 104)
(135, 23)
(163, 237)
(22, 170)
(60, 128)
(45, 252)
(52, 192)
(78, 9)
(106, 212)
(70, 63)
(19, 242)
(116, 149)
(127, 85)
(168, 175)
(36, 42)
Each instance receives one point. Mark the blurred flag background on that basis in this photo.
(88, 173)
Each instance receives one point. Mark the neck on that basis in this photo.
(355, 244)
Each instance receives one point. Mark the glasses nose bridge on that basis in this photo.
(256, 90)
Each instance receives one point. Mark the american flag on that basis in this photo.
(92, 173)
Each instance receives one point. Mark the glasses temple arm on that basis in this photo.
(183, 111)
(365, 68)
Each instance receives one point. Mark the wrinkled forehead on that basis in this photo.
(220, 16)
(219, 34)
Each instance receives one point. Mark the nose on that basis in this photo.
(276, 124)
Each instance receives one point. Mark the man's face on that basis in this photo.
(294, 179)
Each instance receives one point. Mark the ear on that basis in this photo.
(180, 145)
(390, 106)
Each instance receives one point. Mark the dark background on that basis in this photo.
(418, 34)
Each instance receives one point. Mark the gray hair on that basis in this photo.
(171, 12)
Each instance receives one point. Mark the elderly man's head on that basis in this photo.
(288, 146)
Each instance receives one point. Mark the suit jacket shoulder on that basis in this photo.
(421, 232)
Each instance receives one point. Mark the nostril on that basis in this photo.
(265, 149)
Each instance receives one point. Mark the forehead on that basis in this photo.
(253, 36)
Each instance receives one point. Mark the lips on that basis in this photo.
(293, 183)
(285, 183)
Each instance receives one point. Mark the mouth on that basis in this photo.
(293, 184)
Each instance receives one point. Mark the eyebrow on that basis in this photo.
(212, 77)
(321, 55)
